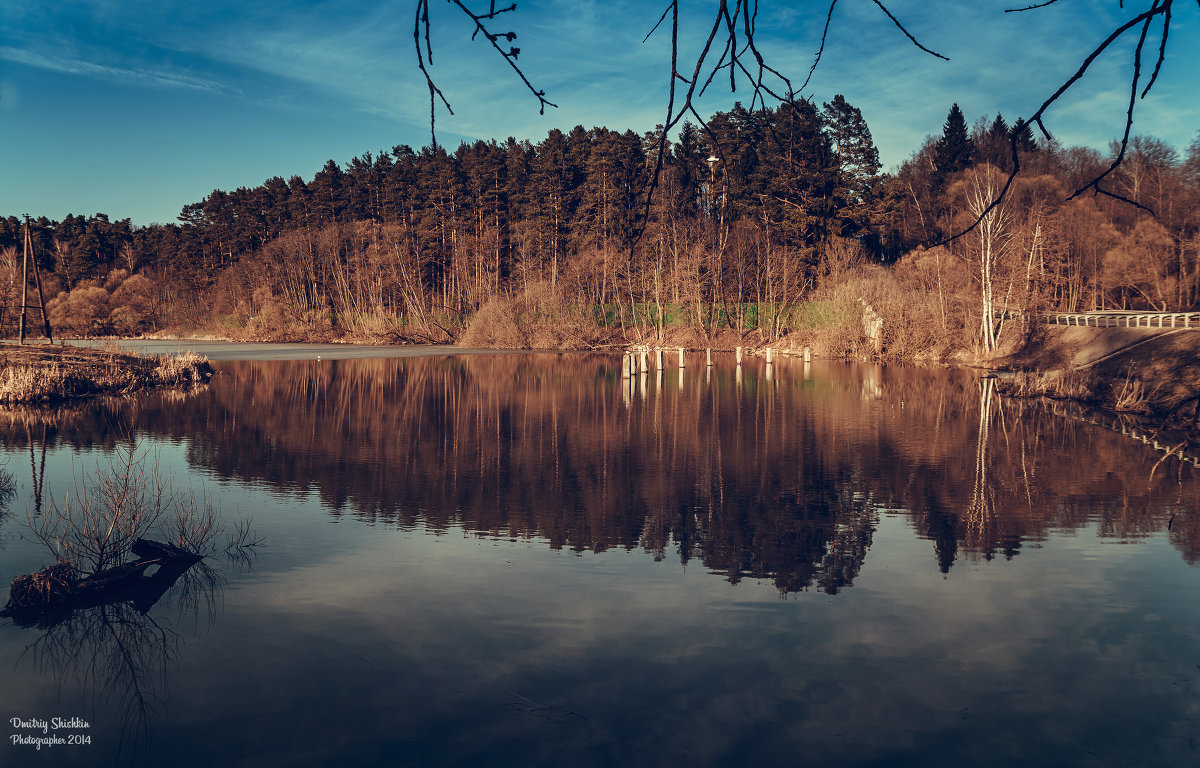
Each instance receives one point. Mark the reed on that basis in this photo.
(1132, 397)
(1060, 385)
(55, 374)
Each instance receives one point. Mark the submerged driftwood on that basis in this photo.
(62, 587)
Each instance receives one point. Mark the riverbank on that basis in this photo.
(53, 373)
(1143, 371)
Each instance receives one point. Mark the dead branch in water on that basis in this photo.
(99, 539)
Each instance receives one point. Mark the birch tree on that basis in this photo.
(989, 242)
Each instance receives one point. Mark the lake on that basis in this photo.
(523, 559)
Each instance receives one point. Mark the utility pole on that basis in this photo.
(37, 278)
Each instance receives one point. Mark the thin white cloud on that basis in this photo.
(71, 66)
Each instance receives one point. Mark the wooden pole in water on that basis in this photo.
(681, 357)
(658, 358)
(625, 365)
(807, 355)
(770, 355)
(645, 360)
(708, 357)
(738, 355)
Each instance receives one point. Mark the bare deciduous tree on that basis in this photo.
(990, 244)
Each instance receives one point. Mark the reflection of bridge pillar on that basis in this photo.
(872, 385)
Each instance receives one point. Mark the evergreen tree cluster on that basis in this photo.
(571, 191)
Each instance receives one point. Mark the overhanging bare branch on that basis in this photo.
(1143, 19)
(421, 28)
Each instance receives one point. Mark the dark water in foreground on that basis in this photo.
(517, 561)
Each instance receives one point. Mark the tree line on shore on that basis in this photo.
(754, 217)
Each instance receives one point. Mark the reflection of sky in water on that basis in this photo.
(372, 644)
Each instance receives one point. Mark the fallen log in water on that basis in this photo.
(61, 586)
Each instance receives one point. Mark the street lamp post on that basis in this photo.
(712, 181)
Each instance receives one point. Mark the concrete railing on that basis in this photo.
(1189, 320)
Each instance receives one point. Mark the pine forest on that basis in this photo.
(762, 223)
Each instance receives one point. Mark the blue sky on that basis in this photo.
(135, 108)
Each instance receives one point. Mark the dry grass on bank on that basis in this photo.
(49, 374)
(1132, 397)
(1128, 371)
(1061, 385)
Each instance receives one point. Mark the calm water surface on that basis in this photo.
(520, 560)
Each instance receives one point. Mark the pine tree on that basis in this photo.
(797, 174)
(850, 139)
(328, 189)
(275, 203)
(857, 162)
(953, 151)
(688, 172)
(363, 182)
(553, 184)
(991, 145)
(401, 189)
(1023, 132)
(483, 169)
(999, 128)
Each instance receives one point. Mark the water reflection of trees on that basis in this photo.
(119, 643)
(780, 478)
(8, 491)
(119, 650)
